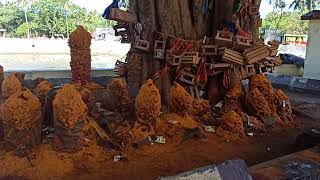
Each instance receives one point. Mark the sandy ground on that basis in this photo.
(306, 102)
(153, 161)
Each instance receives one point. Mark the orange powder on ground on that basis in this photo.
(185, 122)
(258, 127)
(140, 131)
(257, 104)
(283, 106)
(233, 99)
(10, 86)
(174, 126)
(201, 111)
(148, 102)
(165, 126)
(42, 90)
(280, 96)
(262, 83)
(121, 133)
(180, 101)
(22, 109)
(118, 96)
(69, 107)
(231, 127)
(88, 91)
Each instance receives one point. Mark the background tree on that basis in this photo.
(289, 22)
(281, 6)
(25, 4)
(48, 18)
(191, 20)
(304, 4)
(11, 17)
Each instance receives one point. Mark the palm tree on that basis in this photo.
(302, 4)
(277, 4)
(24, 4)
(299, 4)
(281, 5)
(296, 4)
(66, 12)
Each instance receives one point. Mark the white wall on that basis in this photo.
(312, 63)
(52, 46)
(45, 54)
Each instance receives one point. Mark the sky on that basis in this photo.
(100, 5)
(266, 8)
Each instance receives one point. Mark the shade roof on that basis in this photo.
(315, 14)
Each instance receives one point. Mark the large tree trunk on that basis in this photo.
(179, 18)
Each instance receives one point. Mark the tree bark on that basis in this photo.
(182, 19)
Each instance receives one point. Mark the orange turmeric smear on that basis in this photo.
(283, 106)
(42, 90)
(68, 106)
(180, 101)
(118, 92)
(231, 127)
(258, 104)
(233, 99)
(260, 82)
(10, 86)
(201, 111)
(148, 102)
(22, 109)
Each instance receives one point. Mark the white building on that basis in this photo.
(312, 62)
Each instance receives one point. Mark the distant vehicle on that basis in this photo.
(102, 33)
(105, 34)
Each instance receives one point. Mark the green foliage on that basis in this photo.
(50, 18)
(288, 22)
(11, 17)
(22, 30)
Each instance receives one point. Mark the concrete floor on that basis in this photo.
(306, 102)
